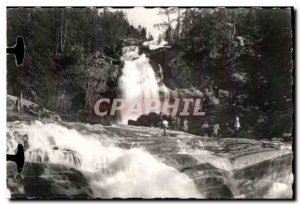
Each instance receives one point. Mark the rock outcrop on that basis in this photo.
(220, 168)
(28, 111)
(47, 181)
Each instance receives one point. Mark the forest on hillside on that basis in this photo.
(247, 51)
(220, 42)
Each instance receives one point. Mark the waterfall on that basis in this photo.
(111, 170)
(139, 82)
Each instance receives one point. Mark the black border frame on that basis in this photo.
(294, 91)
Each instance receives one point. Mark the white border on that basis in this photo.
(3, 45)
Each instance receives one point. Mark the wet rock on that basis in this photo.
(181, 161)
(223, 93)
(271, 170)
(211, 181)
(257, 189)
(220, 167)
(29, 111)
(213, 101)
(150, 120)
(239, 77)
(44, 181)
(132, 122)
(189, 93)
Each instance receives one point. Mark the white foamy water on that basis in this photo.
(138, 82)
(111, 171)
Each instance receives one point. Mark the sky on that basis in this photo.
(144, 17)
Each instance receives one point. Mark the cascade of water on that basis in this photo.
(138, 82)
(112, 171)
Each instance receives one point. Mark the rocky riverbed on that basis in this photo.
(218, 168)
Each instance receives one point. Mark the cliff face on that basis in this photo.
(80, 85)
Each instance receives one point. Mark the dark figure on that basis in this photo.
(160, 120)
(177, 123)
(205, 127)
(205, 102)
(18, 104)
(161, 116)
(216, 93)
(18, 158)
(234, 103)
(234, 99)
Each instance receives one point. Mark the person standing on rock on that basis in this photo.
(234, 102)
(205, 127)
(165, 125)
(185, 125)
(216, 93)
(173, 122)
(18, 104)
(204, 103)
(215, 130)
(237, 125)
(160, 120)
(177, 122)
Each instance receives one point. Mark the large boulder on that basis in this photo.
(152, 119)
(45, 181)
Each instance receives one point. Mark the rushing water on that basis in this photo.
(124, 161)
(139, 82)
(112, 171)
